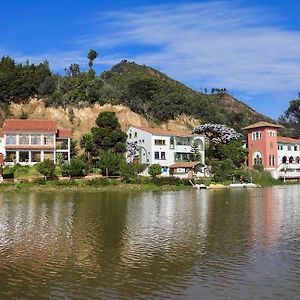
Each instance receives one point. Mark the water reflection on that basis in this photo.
(219, 244)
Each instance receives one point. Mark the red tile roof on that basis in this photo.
(262, 124)
(35, 125)
(288, 140)
(185, 164)
(64, 133)
(157, 131)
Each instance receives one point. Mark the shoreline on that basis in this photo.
(111, 185)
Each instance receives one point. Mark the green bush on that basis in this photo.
(99, 182)
(40, 181)
(154, 170)
(77, 167)
(128, 171)
(110, 163)
(169, 181)
(47, 168)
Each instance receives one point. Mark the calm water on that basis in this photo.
(238, 244)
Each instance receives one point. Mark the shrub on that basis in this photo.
(47, 168)
(77, 167)
(130, 170)
(110, 163)
(40, 181)
(258, 167)
(154, 170)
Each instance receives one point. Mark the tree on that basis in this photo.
(47, 168)
(73, 70)
(195, 154)
(92, 55)
(154, 170)
(234, 151)
(110, 163)
(77, 167)
(87, 143)
(218, 133)
(107, 135)
(73, 148)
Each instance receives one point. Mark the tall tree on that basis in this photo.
(107, 135)
(92, 55)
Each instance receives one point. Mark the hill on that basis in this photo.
(154, 96)
(160, 98)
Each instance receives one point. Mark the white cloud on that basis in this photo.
(207, 44)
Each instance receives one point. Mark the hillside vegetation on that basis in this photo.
(144, 90)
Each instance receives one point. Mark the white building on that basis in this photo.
(28, 142)
(164, 147)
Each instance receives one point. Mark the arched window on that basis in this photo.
(257, 158)
(291, 159)
(297, 159)
(284, 159)
(199, 143)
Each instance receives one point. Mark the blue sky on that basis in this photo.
(250, 47)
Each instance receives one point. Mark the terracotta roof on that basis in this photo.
(64, 133)
(30, 147)
(185, 164)
(157, 131)
(288, 140)
(35, 125)
(262, 124)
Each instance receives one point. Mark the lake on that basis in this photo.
(198, 244)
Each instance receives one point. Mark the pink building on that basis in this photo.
(262, 145)
(280, 155)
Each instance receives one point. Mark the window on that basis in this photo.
(289, 147)
(291, 159)
(161, 155)
(48, 155)
(257, 158)
(295, 148)
(24, 156)
(135, 134)
(198, 143)
(35, 156)
(130, 135)
(10, 156)
(280, 147)
(284, 160)
(172, 142)
(35, 139)
(270, 160)
(160, 142)
(273, 160)
(256, 135)
(24, 139)
(48, 139)
(271, 145)
(11, 139)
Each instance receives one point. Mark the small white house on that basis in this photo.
(164, 147)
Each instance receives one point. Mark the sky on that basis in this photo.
(250, 47)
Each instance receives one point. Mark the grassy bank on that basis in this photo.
(94, 185)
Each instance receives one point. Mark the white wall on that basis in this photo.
(147, 140)
(288, 153)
